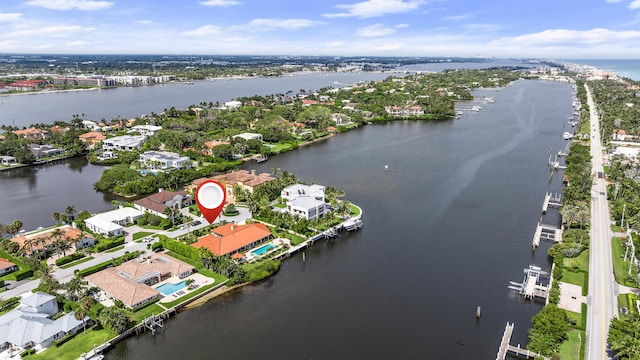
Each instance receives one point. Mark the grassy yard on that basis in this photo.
(141, 234)
(575, 278)
(570, 349)
(620, 268)
(580, 262)
(355, 211)
(74, 348)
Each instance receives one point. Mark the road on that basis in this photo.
(64, 275)
(602, 300)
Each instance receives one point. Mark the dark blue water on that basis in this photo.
(446, 229)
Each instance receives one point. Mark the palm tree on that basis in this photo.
(56, 217)
(114, 318)
(17, 225)
(83, 310)
(170, 212)
(74, 286)
(70, 211)
(584, 214)
(568, 213)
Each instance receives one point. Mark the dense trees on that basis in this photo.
(624, 337)
(549, 330)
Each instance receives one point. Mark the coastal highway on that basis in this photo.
(602, 299)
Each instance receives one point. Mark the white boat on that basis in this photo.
(352, 224)
(567, 136)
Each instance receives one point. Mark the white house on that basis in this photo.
(249, 136)
(124, 142)
(111, 223)
(296, 190)
(307, 207)
(164, 160)
(147, 130)
(30, 325)
(307, 201)
(8, 160)
(232, 104)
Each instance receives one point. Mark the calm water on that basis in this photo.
(445, 230)
(33, 194)
(127, 102)
(626, 68)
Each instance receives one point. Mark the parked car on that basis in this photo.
(196, 222)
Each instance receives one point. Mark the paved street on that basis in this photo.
(64, 275)
(602, 300)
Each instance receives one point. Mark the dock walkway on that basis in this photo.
(506, 348)
(551, 200)
(546, 232)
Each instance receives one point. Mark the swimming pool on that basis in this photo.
(262, 249)
(168, 288)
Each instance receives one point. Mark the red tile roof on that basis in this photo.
(229, 238)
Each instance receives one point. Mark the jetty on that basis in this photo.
(551, 200)
(531, 287)
(546, 232)
(507, 349)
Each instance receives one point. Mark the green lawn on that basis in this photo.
(74, 348)
(620, 268)
(570, 349)
(575, 278)
(581, 261)
(355, 211)
(74, 263)
(141, 234)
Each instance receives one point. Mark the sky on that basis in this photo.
(558, 29)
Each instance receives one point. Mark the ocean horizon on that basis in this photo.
(626, 68)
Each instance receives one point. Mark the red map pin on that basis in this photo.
(210, 197)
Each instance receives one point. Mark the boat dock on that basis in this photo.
(551, 200)
(507, 348)
(531, 287)
(546, 232)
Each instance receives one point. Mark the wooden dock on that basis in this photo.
(551, 200)
(546, 232)
(531, 287)
(506, 348)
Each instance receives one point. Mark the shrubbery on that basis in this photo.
(69, 258)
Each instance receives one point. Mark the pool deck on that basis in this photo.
(199, 281)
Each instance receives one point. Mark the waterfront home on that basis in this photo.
(245, 180)
(621, 135)
(40, 151)
(306, 201)
(211, 144)
(158, 203)
(147, 130)
(249, 136)
(112, 223)
(164, 160)
(92, 138)
(39, 240)
(7, 266)
(130, 282)
(340, 119)
(124, 142)
(26, 85)
(8, 160)
(232, 105)
(32, 324)
(232, 239)
(404, 110)
(32, 133)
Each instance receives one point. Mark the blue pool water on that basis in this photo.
(168, 289)
(262, 249)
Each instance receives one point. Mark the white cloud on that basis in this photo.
(71, 4)
(401, 26)
(635, 4)
(221, 3)
(373, 8)
(206, 30)
(144, 22)
(49, 31)
(76, 43)
(613, 1)
(458, 17)
(481, 27)
(565, 37)
(375, 30)
(9, 17)
(272, 23)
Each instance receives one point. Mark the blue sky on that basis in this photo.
(567, 29)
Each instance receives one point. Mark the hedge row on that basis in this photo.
(22, 274)
(106, 245)
(69, 258)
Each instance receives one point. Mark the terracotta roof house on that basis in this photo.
(232, 239)
(92, 138)
(39, 240)
(30, 325)
(32, 133)
(7, 266)
(131, 281)
(159, 202)
(246, 180)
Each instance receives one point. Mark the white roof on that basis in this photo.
(122, 213)
(305, 202)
